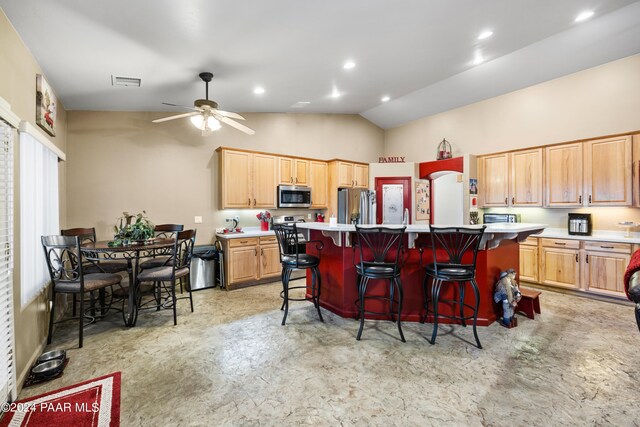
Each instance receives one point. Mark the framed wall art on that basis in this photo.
(46, 105)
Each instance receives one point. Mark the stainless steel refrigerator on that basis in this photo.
(356, 206)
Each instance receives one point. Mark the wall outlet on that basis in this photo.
(197, 220)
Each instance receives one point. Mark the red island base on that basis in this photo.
(339, 291)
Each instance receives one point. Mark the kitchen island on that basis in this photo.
(499, 251)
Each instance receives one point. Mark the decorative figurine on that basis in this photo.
(508, 292)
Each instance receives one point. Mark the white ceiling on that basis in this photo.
(419, 52)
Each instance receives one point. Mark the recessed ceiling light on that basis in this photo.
(385, 99)
(259, 90)
(349, 65)
(584, 15)
(335, 93)
(485, 35)
(478, 60)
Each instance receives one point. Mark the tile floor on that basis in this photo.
(231, 363)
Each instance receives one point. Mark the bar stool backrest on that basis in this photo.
(62, 254)
(287, 236)
(380, 246)
(456, 242)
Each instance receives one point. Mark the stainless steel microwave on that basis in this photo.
(490, 218)
(294, 196)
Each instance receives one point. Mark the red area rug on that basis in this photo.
(92, 403)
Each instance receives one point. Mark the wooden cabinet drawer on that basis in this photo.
(607, 247)
(249, 241)
(530, 241)
(268, 240)
(561, 243)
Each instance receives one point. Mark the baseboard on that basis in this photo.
(32, 360)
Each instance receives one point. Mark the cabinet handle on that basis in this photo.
(291, 180)
(606, 247)
(587, 258)
(296, 180)
(506, 200)
(261, 251)
(255, 252)
(249, 203)
(513, 200)
(352, 183)
(558, 243)
(576, 257)
(580, 199)
(589, 198)
(254, 201)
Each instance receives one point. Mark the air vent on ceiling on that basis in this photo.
(300, 104)
(125, 81)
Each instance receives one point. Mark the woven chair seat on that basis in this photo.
(161, 274)
(91, 282)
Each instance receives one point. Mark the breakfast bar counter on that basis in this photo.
(499, 251)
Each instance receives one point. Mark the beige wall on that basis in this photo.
(18, 87)
(121, 161)
(599, 101)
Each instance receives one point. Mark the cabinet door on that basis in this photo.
(264, 181)
(345, 174)
(301, 176)
(495, 180)
(560, 267)
(528, 263)
(526, 178)
(605, 271)
(269, 261)
(243, 264)
(318, 182)
(563, 175)
(607, 171)
(285, 167)
(236, 180)
(361, 175)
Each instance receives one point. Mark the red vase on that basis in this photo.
(264, 225)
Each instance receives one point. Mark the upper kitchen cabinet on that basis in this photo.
(361, 175)
(247, 180)
(347, 174)
(563, 173)
(293, 171)
(526, 178)
(494, 180)
(318, 181)
(607, 172)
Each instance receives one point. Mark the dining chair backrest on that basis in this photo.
(62, 254)
(183, 251)
(86, 235)
(167, 231)
(455, 242)
(379, 246)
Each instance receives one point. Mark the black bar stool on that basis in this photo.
(455, 242)
(380, 250)
(291, 259)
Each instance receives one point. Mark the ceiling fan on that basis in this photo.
(205, 115)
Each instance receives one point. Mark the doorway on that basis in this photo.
(393, 196)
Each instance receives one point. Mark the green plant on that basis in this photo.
(132, 228)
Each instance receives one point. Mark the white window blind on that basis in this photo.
(39, 213)
(7, 366)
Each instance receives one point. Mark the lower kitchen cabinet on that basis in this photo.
(560, 266)
(604, 266)
(250, 261)
(528, 271)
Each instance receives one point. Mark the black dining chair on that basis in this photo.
(162, 231)
(178, 266)
(380, 256)
(66, 270)
(291, 259)
(450, 246)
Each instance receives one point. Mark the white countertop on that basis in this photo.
(246, 232)
(596, 235)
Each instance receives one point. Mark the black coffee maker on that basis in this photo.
(579, 224)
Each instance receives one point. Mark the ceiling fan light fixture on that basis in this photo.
(211, 123)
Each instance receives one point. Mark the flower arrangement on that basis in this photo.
(264, 218)
(128, 230)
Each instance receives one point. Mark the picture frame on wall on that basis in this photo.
(46, 106)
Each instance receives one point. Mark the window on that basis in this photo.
(39, 213)
(7, 368)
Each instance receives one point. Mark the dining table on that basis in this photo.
(103, 251)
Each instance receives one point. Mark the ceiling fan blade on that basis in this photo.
(177, 116)
(182, 106)
(237, 125)
(230, 114)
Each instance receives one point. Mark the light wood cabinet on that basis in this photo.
(250, 261)
(494, 180)
(528, 271)
(293, 171)
(525, 186)
(560, 263)
(318, 181)
(607, 172)
(269, 258)
(344, 174)
(604, 266)
(563, 175)
(247, 180)
(361, 175)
